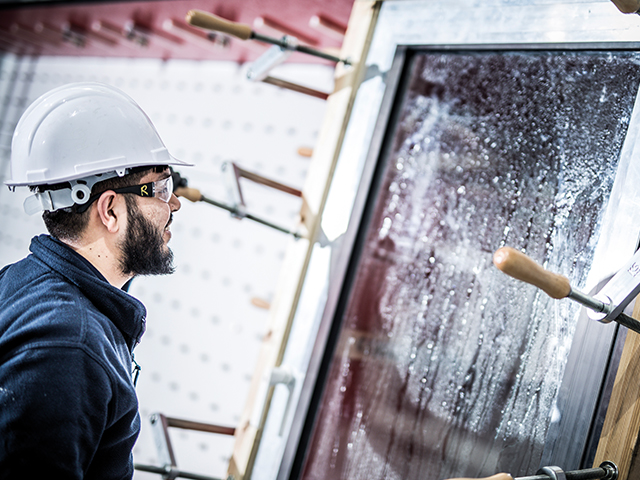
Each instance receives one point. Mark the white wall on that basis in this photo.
(203, 333)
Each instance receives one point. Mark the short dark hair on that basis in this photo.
(68, 223)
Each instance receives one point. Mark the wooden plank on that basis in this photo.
(620, 437)
(298, 254)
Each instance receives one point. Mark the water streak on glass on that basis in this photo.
(444, 365)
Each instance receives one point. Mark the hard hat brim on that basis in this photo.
(161, 158)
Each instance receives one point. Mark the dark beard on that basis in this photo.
(143, 250)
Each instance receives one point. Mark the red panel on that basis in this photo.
(104, 29)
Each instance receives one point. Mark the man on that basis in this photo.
(98, 169)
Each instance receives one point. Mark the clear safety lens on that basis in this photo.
(163, 189)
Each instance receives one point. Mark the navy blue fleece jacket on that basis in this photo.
(68, 408)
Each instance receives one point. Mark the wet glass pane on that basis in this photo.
(444, 365)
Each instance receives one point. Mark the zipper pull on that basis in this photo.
(135, 373)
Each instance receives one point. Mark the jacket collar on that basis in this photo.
(126, 312)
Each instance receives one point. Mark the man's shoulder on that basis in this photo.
(40, 307)
(3, 270)
(15, 275)
(28, 279)
(40, 304)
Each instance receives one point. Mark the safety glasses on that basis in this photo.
(162, 189)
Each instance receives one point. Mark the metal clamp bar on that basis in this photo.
(287, 45)
(606, 471)
(629, 322)
(236, 212)
(164, 471)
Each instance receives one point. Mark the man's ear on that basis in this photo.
(109, 211)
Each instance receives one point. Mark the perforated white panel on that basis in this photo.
(203, 333)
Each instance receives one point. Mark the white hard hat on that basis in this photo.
(82, 131)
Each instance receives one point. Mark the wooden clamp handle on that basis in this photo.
(208, 21)
(627, 6)
(520, 266)
(189, 193)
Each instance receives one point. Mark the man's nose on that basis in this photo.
(174, 203)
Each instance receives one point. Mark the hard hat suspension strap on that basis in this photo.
(51, 200)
